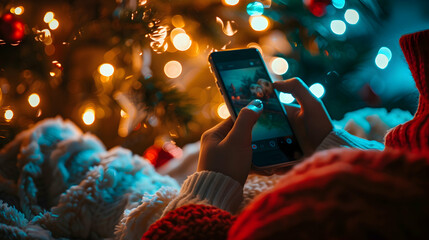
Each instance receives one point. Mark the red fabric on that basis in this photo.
(191, 222)
(344, 194)
(414, 134)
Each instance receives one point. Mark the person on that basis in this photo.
(226, 154)
(334, 194)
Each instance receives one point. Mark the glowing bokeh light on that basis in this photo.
(8, 115)
(259, 23)
(318, 90)
(106, 69)
(255, 8)
(54, 24)
(338, 27)
(88, 117)
(173, 69)
(385, 51)
(279, 66)
(182, 42)
(19, 10)
(123, 114)
(49, 16)
(339, 3)
(230, 2)
(381, 61)
(34, 100)
(286, 98)
(177, 21)
(222, 111)
(351, 16)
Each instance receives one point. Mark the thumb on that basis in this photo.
(241, 132)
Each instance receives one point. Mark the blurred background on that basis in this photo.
(135, 72)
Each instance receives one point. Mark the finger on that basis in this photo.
(241, 132)
(221, 130)
(299, 90)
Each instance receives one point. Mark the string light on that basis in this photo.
(259, 23)
(106, 69)
(351, 16)
(54, 24)
(49, 16)
(182, 42)
(279, 65)
(18, 10)
(173, 69)
(338, 27)
(318, 90)
(222, 111)
(338, 3)
(286, 98)
(34, 100)
(383, 57)
(177, 21)
(230, 2)
(88, 117)
(8, 115)
(255, 8)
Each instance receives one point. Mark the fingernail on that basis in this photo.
(255, 105)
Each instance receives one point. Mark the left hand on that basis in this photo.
(226, 148)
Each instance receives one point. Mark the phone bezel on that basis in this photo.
(239, 55)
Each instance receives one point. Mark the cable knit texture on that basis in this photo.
(344, 194)
(211, 188)
(191, 222)
(414, 135)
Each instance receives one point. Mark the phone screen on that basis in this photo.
(247, 80)
(243, 77)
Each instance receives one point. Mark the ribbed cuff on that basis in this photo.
(341, 138)
(210, 188)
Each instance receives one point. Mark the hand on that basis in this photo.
(310, 122)
(226, 148)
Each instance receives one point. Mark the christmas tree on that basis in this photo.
(132, 70)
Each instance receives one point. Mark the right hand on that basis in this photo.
(310, 121)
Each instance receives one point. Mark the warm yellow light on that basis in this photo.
(8, 115)
(123, 114)
(279, 65)
(49, 16)
(177, 21)
(230, 2)
(106, 69)
(173, 69)
(19, 10)
(182, 42)
(52, 74)
(88, 116)
(222, 111)
(34, 100)
(54, 24)
(259, 23)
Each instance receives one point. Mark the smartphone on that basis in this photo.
(242, 76)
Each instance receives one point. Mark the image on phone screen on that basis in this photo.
(247, 80)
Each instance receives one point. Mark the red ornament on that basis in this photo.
(12, 29)
(317, 7)
(157, 156)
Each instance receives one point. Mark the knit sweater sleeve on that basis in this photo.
(210, 188)
(341, 138)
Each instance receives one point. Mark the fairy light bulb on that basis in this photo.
(106, 69)
(182, 42)
(230, 2)
(222, 111)
(279, 65)
(8, 115)
(49, 16)
(173, 69)
(19, 10)
(259, 23)
(34, 100)
(54, 24)
(88, 117)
